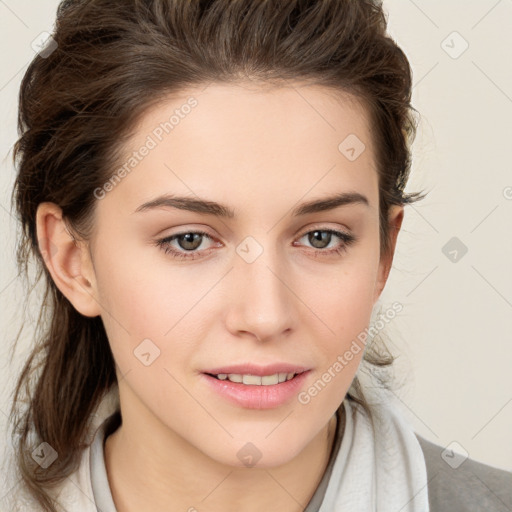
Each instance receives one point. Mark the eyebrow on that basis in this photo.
(206, 207)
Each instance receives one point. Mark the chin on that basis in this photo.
(260, 455)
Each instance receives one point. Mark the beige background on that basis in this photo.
(454, 333)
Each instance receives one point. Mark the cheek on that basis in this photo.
(127, 294)
(342, 295)
(345, 310)
(342, 303)
(347, 315)
(146, 298)
(136, 287)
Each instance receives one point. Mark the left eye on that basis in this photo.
(190, 241)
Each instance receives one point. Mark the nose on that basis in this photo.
(262, 301)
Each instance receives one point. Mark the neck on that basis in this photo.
(143, 477)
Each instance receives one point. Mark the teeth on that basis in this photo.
(256, 380)
(251, 379)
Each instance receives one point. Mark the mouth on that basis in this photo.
(256, 380)
(250, 391)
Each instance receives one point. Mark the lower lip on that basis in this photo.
(254, 396)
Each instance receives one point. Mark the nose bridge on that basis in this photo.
(263, 304)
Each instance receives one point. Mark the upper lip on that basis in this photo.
(261, 370)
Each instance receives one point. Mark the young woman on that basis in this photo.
(213, 191)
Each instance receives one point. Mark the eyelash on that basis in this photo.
(164, 244)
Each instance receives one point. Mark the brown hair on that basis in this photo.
(80, 103)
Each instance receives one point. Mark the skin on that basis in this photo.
(260, 151)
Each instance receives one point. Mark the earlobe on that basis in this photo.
(66, 259)
(395, 218)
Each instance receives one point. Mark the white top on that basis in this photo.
(370, 469)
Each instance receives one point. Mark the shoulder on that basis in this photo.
(468, 487)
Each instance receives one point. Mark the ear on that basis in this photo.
(67, 259)
(395, 218)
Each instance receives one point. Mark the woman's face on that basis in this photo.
(264, 286)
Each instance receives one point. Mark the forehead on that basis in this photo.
(256, 141)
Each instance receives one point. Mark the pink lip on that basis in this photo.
(252, 369)
(254, 396)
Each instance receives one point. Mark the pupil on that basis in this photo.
(189, 239)
(318, 236)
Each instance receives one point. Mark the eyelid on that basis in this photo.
(323, 227)
(345, 235)
(299, 234)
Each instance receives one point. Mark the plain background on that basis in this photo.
(453, 336)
